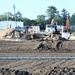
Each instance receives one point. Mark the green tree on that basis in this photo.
(26, 21)
(3, 17)
(41, 21)
(19, 16)
(40, 18)
(64, 14)
(8, 15)
(33, 22)
(72, 19)
(51, 12)
(58, 19)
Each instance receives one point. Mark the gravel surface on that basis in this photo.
(37, 67)
(30, 47)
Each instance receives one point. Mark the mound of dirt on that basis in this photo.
(7, 71)
(57, 71)
(62, 71)
(5, 32)
(10, 33)
(52, 71)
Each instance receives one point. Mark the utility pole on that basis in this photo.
(15, 15)
(7, 20)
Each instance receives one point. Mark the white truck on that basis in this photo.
(58, 29)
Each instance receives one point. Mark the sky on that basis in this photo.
(32, 8)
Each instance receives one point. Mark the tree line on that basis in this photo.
(42, 20)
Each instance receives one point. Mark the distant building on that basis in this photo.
(35, 29)
(10, 24)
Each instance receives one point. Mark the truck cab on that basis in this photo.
(58, 30)
(50, 27)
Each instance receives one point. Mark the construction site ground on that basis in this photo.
(10, 44)
(35, 67)
(28, 48)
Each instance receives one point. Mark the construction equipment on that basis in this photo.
(56, 36)
(58, 30)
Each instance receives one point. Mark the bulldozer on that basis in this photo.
(57, 37)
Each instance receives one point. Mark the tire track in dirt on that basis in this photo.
(25, 66)
(3, 62)
(36, 65)
(16, 63)
(43, 66)
(72, 64)
(58, 63)
(66, 63)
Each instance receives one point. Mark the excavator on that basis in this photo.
(56, 36)
(63, 31)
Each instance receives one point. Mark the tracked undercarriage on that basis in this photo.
(57, 45)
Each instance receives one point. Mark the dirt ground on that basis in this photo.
(30, 47)
(38, 67)
(34, 67)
